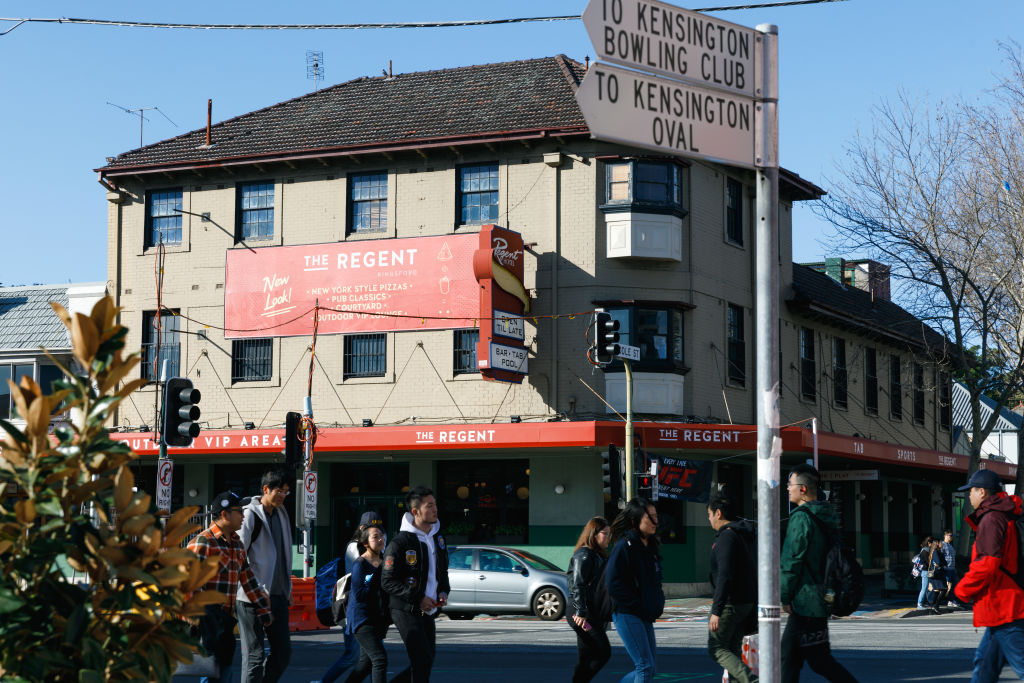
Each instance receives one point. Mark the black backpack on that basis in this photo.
(601, 606)
(844, 578)
(1018, 527)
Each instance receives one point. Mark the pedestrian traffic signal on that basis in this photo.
(606, 338)
(293, 450)
(180, 412)
(611, 474)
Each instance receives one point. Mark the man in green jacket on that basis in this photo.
(803, 570)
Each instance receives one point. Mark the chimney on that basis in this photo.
(835, 268)
(209, 117)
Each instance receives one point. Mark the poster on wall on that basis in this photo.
(379, 285)
(684, 479)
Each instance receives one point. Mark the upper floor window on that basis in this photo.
(870, 381)
(737, 346)
(839, 377)
(895, 388)
(163, 217)
(252, 360)
(368, 202)
(734, 211)
(13, 372)
(167, 338)
(255, 211)
(464, 360)
(478, 193)
(640, 185)
(365, 355)
(945, 401)
(808, 365)
(918, 394)
(657, 331)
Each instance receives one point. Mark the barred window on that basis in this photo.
(737, 346)
(478, 193)
(252, 360)
(464, 361)
(368, 200)
(256, 211)
(839, 375)
(163, 217)
(169, 338)
(365, 355)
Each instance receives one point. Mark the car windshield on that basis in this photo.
(534, 561)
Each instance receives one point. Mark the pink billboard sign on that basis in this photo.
(380, 285)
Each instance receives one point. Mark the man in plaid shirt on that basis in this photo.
(217, 628)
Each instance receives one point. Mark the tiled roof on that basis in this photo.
(26, 320)
(408, 109)
(819, 295)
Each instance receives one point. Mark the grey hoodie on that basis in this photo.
(262, 553)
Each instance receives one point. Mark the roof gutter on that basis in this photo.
(335, 152)
(112, 189)
(857, 322)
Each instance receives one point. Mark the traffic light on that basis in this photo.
(606, 337)
(293, 450)
(180, 412)
(611, 474)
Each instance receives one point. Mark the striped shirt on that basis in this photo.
(234, 567)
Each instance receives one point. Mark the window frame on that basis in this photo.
(348, 354)
(673, 185)
(149, 239)
(808, 366)
(895, 388)
(733, 211)
(380, 202)
(840, 374)
(464, 352)
(241, 211)
(630, 331)
(946, 401)
(917, 392)
(462, 194)
(871, 381)
(148, 332)
(266, 346)
(736, 346)
(8, 411)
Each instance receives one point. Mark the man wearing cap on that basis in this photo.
(998, 600)
(350, 652)
(217, 628)
(267, 536)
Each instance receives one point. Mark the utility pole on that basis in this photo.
(630, 474)
(769, 442)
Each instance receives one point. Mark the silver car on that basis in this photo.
(487, 579)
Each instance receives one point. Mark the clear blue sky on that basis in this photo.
(836, 61)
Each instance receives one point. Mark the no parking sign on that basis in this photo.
(309, 484)
(164, 479)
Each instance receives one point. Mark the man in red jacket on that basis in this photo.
(988, 583)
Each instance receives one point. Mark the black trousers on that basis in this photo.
(420, 638)
(593, 652)
(806, 640)
(372, 656)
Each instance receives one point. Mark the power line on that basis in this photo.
(359, 26)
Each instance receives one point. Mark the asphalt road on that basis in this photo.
(931, 648)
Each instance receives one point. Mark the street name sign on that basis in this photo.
(668, 116)
(309, 485)
(629, 352)
(674, 42)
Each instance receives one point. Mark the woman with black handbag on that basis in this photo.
(586, 576)
(366, 616)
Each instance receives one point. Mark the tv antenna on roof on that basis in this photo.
(142, 117)
(315, 67)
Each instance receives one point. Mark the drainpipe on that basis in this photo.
(554, 160)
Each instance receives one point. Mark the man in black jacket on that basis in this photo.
(415, 577)
(734, 585)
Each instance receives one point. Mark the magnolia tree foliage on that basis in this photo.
(69, 497)
(936, 191)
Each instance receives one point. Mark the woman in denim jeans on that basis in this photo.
(924, 558)
(633, 576)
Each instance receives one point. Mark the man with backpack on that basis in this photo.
(993, 580)
(734, 584)
(802, 579)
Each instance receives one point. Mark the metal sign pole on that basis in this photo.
(769, 443)
(630, 473)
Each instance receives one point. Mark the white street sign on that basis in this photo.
(668, 116)
(629, 352)
(164, 480)
(678, 43)
(509, 325)
(511, 358)
(309, 484)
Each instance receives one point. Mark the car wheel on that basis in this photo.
(549, 604)
(460, 616)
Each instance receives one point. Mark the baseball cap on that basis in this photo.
(228, 499)
(983, 479)
(371, 518)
